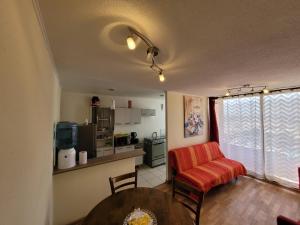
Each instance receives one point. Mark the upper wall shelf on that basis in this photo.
(148, 112)
(131, 116)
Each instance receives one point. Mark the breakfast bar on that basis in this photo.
(78, 189)
(102, 160)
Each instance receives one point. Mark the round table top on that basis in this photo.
(114, 209)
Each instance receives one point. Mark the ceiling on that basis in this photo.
(206, 45)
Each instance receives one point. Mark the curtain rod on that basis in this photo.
(260, 92)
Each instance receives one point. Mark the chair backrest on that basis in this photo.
(114, 180)
(193, 197)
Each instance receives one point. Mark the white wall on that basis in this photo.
(77, 192)
(175, 122)
(29, 95)
(76, 107)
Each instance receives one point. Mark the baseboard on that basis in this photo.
(274, 183)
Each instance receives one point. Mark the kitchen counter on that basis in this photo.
(136, 146)
(102, 160)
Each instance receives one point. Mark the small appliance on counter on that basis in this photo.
(122, 139)
(66, 139)
(134, 139)
(66, 158)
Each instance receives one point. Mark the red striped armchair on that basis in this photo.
(204, 166)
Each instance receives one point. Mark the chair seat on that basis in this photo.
(213, 173)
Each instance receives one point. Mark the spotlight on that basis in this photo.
(266, 91)
(161, 77)
(151, 53)
(131, 43)
(149, 56)
(227, 93)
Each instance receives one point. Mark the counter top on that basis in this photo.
(102, 160)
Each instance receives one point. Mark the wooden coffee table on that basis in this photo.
(114, 209)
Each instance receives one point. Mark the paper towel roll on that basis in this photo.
(82, 157)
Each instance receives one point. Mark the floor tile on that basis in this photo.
(151, 177)
(143, 183)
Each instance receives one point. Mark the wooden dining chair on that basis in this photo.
(192, 197)
(114, 180)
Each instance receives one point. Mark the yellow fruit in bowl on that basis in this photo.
(143, 220)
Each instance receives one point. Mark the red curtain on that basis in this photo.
(299, 176)
(213, 124)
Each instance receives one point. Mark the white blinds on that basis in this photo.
(263, 132)
(282, 137)
(241, 132)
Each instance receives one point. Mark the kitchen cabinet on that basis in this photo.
(148, 112)
(122, 116)
(108, 152)
(122, 149)
(139, 160)
(127, 116)
(135, 116)
(104, 151)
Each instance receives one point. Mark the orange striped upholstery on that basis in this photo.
(204, 165)
(207, 152)
(187, 159)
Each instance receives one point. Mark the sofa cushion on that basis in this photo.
(234, 168)
(213, 173)
(186, 158)
(207, 152)
(198, 178)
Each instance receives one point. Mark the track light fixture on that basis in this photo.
(152, 51)
(246, 89)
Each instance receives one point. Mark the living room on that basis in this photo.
(213, 85)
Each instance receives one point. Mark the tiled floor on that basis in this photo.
(151, 177)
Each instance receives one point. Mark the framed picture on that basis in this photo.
(193, 116)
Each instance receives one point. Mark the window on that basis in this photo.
(263, 132)
(282, 137)
(241, 133)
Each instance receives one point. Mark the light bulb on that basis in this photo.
(266, 91)
(227, 93)
(149, 56)
(130, 43)
(161, 77)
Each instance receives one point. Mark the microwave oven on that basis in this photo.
(121, 140)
